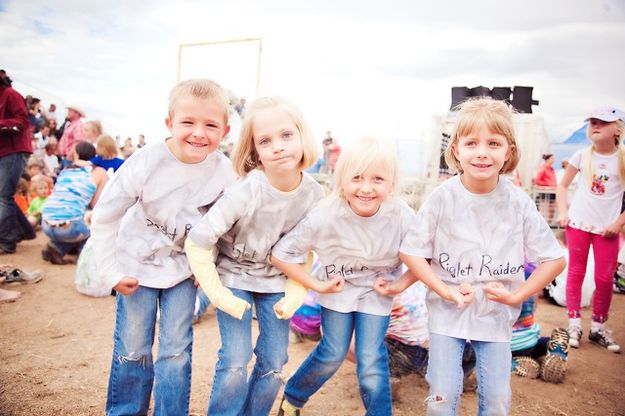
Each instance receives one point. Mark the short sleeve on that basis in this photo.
(419, 240)
(294, 246)
(540, 243)
(576, 159)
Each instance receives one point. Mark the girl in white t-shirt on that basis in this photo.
(274, 194)
(594, 217)
(357, 234)
(475, 228)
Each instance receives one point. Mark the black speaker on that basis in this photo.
(480, 91)
(522, 99)
(458, 96)
(502, 93)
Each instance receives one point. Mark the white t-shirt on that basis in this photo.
(146, 211)
(246, 222)
(359, 249)
(50, 164)
(478, 238)
(598, 204)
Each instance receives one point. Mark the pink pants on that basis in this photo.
(606, 253)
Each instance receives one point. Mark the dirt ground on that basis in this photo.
(55, 352)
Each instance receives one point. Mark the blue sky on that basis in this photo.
(353, 66)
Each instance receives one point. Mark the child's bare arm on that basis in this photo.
(298, 273)
(420, 267)
(544, 273)
(388, 288)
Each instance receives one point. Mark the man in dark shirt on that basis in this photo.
(15, 146)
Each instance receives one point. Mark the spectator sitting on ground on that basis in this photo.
(22, 195)
(76, 189)
(106, 154)
(41, 189)
(534, 356)
(50, 159)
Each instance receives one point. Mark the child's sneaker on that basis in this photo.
(287, 409)
(553, 368)
(604, 338)
(619, 283)
(575, 334)
(559, 343)
(525, 367)
(21, 277)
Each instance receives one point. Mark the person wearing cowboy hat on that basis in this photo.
(73, 132)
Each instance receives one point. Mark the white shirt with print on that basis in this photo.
(478, 238)
(596, 204)
(245, 224)
(359, 249)
(146, 211)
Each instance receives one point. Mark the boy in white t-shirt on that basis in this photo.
(138, 231)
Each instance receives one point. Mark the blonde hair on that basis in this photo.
(106, 147)
(203, 89)
(96, 125)
(496, 116)
(35, 183)
(618, 142)
(358, 155)
(245, 158)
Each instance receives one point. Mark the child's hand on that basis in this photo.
(127, 286)
(333, 285)
(467, 292)
(454, 295)
(497, 292)
(563, 220)
(385, 287)
(612, 230)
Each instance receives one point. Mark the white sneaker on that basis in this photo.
(575, 333)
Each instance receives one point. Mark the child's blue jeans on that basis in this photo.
(232, 392)
(445, 376)
(133, 371)
(327, 357)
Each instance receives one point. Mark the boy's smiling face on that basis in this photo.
(197, 127)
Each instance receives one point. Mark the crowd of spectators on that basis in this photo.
(42, 164)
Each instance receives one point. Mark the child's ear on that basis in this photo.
(510, 152)
(168, 123)
(226, 131)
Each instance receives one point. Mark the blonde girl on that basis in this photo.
(594, 218)
(475, 228)
(272, 196)
(107, 154)
(357, 233)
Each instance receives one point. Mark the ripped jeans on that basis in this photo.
(133, 371)
(445, 376)
(232, 392)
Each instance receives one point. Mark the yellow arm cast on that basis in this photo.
(203, 266)
(294, 294)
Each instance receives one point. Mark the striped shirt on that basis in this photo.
(71, 195)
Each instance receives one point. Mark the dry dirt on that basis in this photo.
(55, 352)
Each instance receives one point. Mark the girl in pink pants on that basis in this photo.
(594, 218)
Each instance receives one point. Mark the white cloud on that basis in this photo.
(353, 66)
